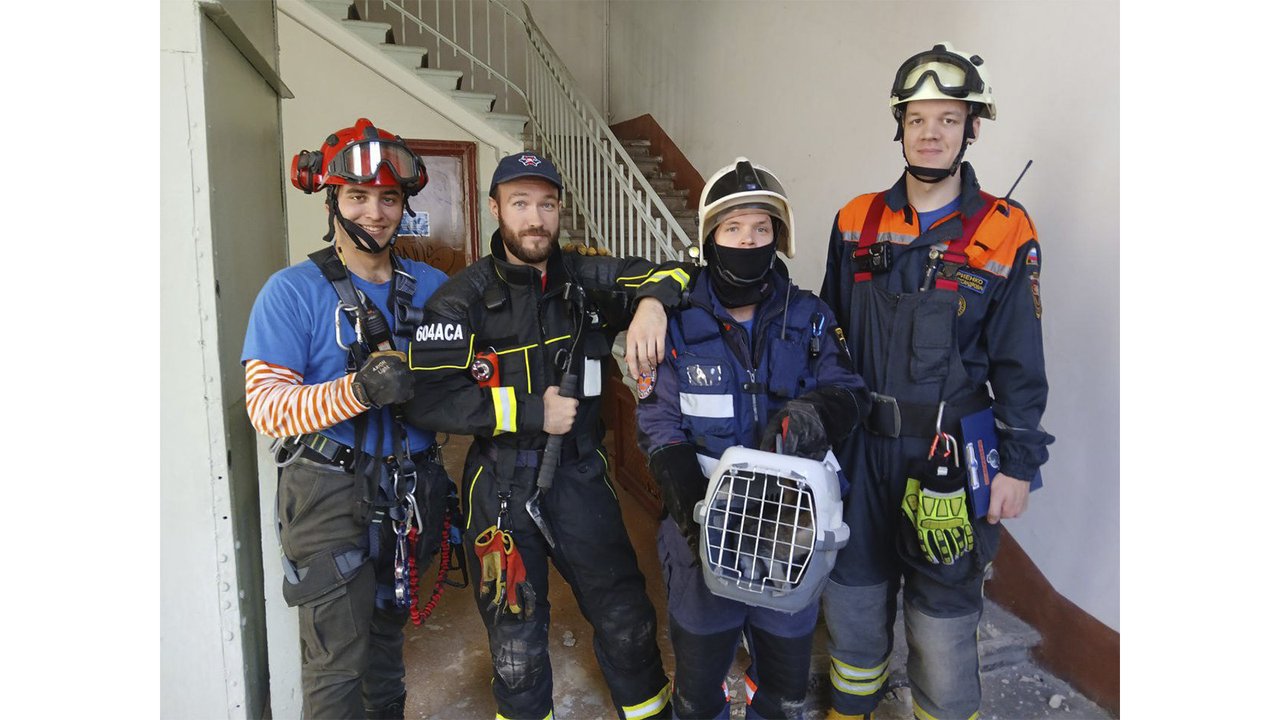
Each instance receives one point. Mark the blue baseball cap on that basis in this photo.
(525, 164)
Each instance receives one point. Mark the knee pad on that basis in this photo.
(942, 664)
(518, 661)
(861, 617)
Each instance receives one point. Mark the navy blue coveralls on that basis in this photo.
(718, 388)
(918, 343)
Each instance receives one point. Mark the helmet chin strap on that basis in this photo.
(362, 239)
(935, 175)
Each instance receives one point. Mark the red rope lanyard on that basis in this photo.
(416, 615)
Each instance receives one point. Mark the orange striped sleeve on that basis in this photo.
(279, 405)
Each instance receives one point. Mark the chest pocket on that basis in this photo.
(790, 372)
(933, 330)
(707, 401)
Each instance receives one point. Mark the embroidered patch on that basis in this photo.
(961, 307)
(530, 160)
(1035, 292)
(970, 281)
(644, 386)
(1033, 257)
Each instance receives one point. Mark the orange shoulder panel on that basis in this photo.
(999, 238)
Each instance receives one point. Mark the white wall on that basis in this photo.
(219, 148)
(331, 91)
(802, 87)
(575, 29)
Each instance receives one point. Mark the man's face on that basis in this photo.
(746, 228)
(376, 209)
(933, 132)
(528, 213)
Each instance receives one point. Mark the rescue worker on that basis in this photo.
(936, 285)
(355, 479)
(511, 352)
(752, 354)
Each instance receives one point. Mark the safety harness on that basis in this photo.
(374, 333)
(889, 416)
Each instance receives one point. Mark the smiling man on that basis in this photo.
(325, 373)
(936, 284)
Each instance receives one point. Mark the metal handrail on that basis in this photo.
(619, 206)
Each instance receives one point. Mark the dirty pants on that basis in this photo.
(594, 555)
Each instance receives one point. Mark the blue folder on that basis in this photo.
(982, 458)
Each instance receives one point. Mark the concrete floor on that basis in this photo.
(448, 661)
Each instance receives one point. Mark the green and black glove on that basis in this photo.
(939, 511)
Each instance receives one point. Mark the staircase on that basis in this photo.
(416, 58)
(496, 68)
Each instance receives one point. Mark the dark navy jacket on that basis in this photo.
(718, 387)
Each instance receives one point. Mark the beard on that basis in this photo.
(530, 255)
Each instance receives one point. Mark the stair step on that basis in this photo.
(474, 101)
(410, 56)
(638, 152)
(512, 125)
(374, 33)
(661, 185)
(635, 143)
(674, 196)
(446, 80)
(336, 9)
(648, 164)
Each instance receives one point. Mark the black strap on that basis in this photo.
(892, 418)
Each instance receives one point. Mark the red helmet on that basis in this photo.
(359, 155)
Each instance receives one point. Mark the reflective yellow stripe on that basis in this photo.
(852, 680)
(471, 492)
(680, 276)
(649, 707)
(504, 409)
(606, 474)
(852, 672)
(920, 713)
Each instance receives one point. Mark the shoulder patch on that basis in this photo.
(1035, 292)
(644, 386)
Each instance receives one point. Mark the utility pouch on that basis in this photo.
(322, 573)
(932, 337)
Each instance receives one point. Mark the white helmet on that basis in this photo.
(943, 73)
(744, 185)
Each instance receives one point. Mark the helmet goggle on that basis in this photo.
(954, 75)
(359, 162)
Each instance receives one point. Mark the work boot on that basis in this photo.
(393, 710)
(834, 714)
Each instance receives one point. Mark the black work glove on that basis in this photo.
(820, 418)
(800, 426)
(384, 380)
(676, 469)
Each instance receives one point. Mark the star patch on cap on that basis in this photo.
(530, 161)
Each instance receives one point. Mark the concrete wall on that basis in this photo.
(222, 223)
(802, 87)
(332, 90)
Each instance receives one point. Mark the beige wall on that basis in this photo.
(331, 90)
(802, 87)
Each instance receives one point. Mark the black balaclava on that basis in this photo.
(739, 276)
